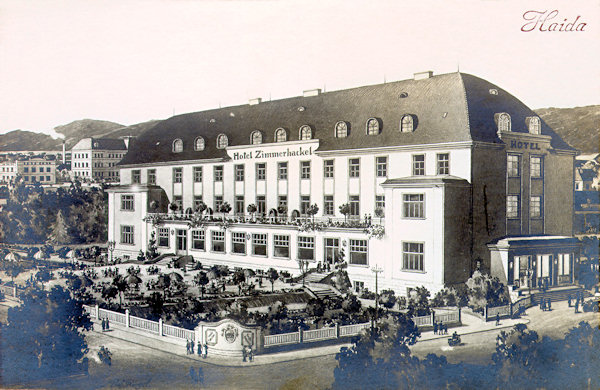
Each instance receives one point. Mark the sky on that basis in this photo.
(129, 61)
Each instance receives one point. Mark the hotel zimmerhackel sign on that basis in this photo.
(286, 151)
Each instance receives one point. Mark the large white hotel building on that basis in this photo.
(466, 175)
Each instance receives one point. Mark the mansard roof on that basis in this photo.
(451, 107)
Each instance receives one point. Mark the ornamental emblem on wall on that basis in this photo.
(230, 333)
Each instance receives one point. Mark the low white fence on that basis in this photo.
(282, 339)
(500, 311)
(144, 324)
(354, 329)
(319, 334)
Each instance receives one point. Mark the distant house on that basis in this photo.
(587, 172)
(96, 158)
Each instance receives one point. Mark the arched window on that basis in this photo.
(504, 122)
(372, 126)
(177, 146)
(199, 144)
(305, 132)
(256, 137)
(222, 141)
(341, 130)
(535, 126)
(280, 135)
(407, 124)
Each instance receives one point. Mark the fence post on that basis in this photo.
(127, 318)
(432, 317)
(459, 315)
(337, 330)
(160, 327)
(97, 312)
(485, 310)
(300, 335)
(15, 291)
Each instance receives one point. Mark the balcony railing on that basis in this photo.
(302, 222)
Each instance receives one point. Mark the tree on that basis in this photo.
(43, 275)
(156, 302)
(312, 210)
(120, 284)
(201, 280)
(272, 275)
(201, 207)
(418, 302)
(173, 207)
(60, 230)
(345, 210)
(152, 251)
(108, 292)
(379, 213)
(13, 269)
(486, 291)
(251, 209)
(224, 208)
(44, 337)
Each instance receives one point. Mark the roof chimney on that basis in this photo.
(423, 75)
(311, 92)
(254, 101)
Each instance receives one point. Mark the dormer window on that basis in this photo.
(535, 126)
(341, 130)
(407, 124)
(372, 126)
(222, 141)
(256, 138)
(177, 146)
(503, 122)
(199, 144)
(305, 133)
(280, 135)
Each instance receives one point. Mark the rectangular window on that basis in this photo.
(282, 171)
(239, 172)
(218, 172)
(354, 202)
(48, 170)
(414, 205)
(358, 252)
(332, 249)
(136, 176)
(261, 205)
(358, 286)
(380, 202)
(512, 206)
(418, 167)
(151, 176)
(282, 202)
(412, 256)
(535, 167)
(218, 241)
(198, 240)
(238, 243)
(306, 248)
(535, 207)
(513, 165)
(381, 166)
(127, 235)
(443, 164)
(305, 169)
(304, 204)
(197, 201)
(239, 205)
(218, 202)
(328, 208)
(328, 169)
(127, 202)
(178, 200)
(259, 244)
(177, 175)
(281, 246)
(261, 171)
(163, 237)
(33, 170)
(354, 167)
(197, 174)
(47, 178)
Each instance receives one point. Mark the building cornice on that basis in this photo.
(397, 148)
(176, 162)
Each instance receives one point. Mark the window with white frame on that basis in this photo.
(512, 206)
(354, 202)
(513, 165)
(380, 202)
(354, 167)
(305, 169)
(418, 165)
(178, 200)
(222, 141)
(282, 170)
(412, 256)
(218, 173)
(197, 201)
(127, 235)
(239, 172)
(358, 252)
(259, 244)
(199, 240)
(535, 167)
(261, 205)
(407, 124)
(381, 164)
(414, 205)
(305, 132)
(163, 237)
(306, 248)
(282, 202)
(177, 146)
(197, 174)
(151, 176)
(535, 206)
(281, 246)
(239, 205)
(332, 249)
(127, 203)
(218, 241)
(443, 164)
(256, 138)
(199, 144)
(535, 126)
(372, 126)
(328, 169)
(341, 130)
(328, 207)
(177, 175)
(280, 135)
(304, 204)
(358, 286)
(261, 171)
(504, 122)
(218, 202)
(238, 243)
(136, 176)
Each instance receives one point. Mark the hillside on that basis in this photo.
(579, 126)
(84, 128)
(28, 140)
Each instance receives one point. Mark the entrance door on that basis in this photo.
(181, 242)
(524, 271)
(332, 248)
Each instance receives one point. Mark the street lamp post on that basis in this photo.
(377, 270)
(302, 264)
(111, 248)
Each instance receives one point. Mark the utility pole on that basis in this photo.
(377, 270)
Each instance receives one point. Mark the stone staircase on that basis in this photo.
(314, 277)
(558, 294)
(322, 292)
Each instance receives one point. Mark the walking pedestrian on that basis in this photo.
(244, 354)
(250, 354)
(187, 347)
(445, 329)
(205, 350)
(107, 324)
(199, 349)
(103, 325)
(435, 328)
(549, 304)
(569, 300)
(497, 319)
(191, 347)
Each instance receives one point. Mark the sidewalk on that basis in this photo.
(471, 324)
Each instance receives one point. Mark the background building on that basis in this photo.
(96, 158)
